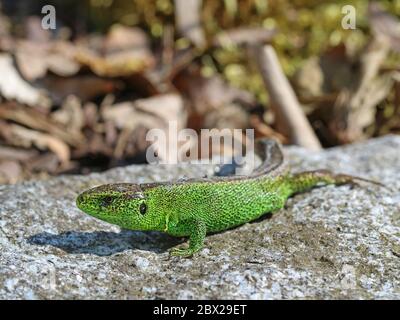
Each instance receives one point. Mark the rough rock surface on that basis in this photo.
(333, 242)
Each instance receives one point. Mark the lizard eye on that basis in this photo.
(142, 208)
(106, 201)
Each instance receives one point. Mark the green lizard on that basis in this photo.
(195, 207)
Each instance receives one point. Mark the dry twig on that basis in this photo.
(291, 118)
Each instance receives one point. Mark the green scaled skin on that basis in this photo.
(196, 207)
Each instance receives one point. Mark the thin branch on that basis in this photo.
(290, 116)
(188, 22)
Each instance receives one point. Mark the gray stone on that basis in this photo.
(332, 242)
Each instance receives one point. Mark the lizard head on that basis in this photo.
(123, 204)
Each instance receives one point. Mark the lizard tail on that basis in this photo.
(309, 179)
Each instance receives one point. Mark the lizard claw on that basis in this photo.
(181, 252)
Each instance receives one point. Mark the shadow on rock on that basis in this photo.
(105, 243)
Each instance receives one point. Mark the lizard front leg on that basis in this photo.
(197, 232)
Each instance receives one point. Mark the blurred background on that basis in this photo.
(81, 97)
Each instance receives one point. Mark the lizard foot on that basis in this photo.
(181, 252)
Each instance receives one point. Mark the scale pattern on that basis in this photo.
(198, 206)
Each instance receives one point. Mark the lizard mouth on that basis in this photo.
(90, 205)
(82, 203)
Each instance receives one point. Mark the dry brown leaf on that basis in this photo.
(309, 79)
(168, 107)
(47, 162)
(31, 59)
(263, 130)
(182, 60)
(10, 171)
(70, 115)
(120, 114)
(111, 134)
(23, 155)
(125, 51)
(61, 59)
(90, 114)
(13, 87)
(95, 145)
(124, 115)
(153, 112)
(34, 59)
(141, 115)
(34, 30)
(85, 87)
(320, 77)
(230, 116)
(122, 64)
(206, 94)
(32, 118)
(355, 107)
(26, 138)
(122, 38)
(384, 24)
(61, 65)
(144, 84)
(5, 26)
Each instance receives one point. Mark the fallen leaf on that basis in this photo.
(355, 106)
(168, 107)
(36, 120)
(125, 115)
(144, 114)
(34, 30)
(90, 114)
(120, 38)
(71, 115)
(47, 162)
(85, 87)
(23, 155)
(125, 51)
(208, 93)
(26, 138)
(384, 24)
(230, 116)
(13, 87)
(61, 59)
(10, 171)
(31, 59)
(263, 130)
(34, 59)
